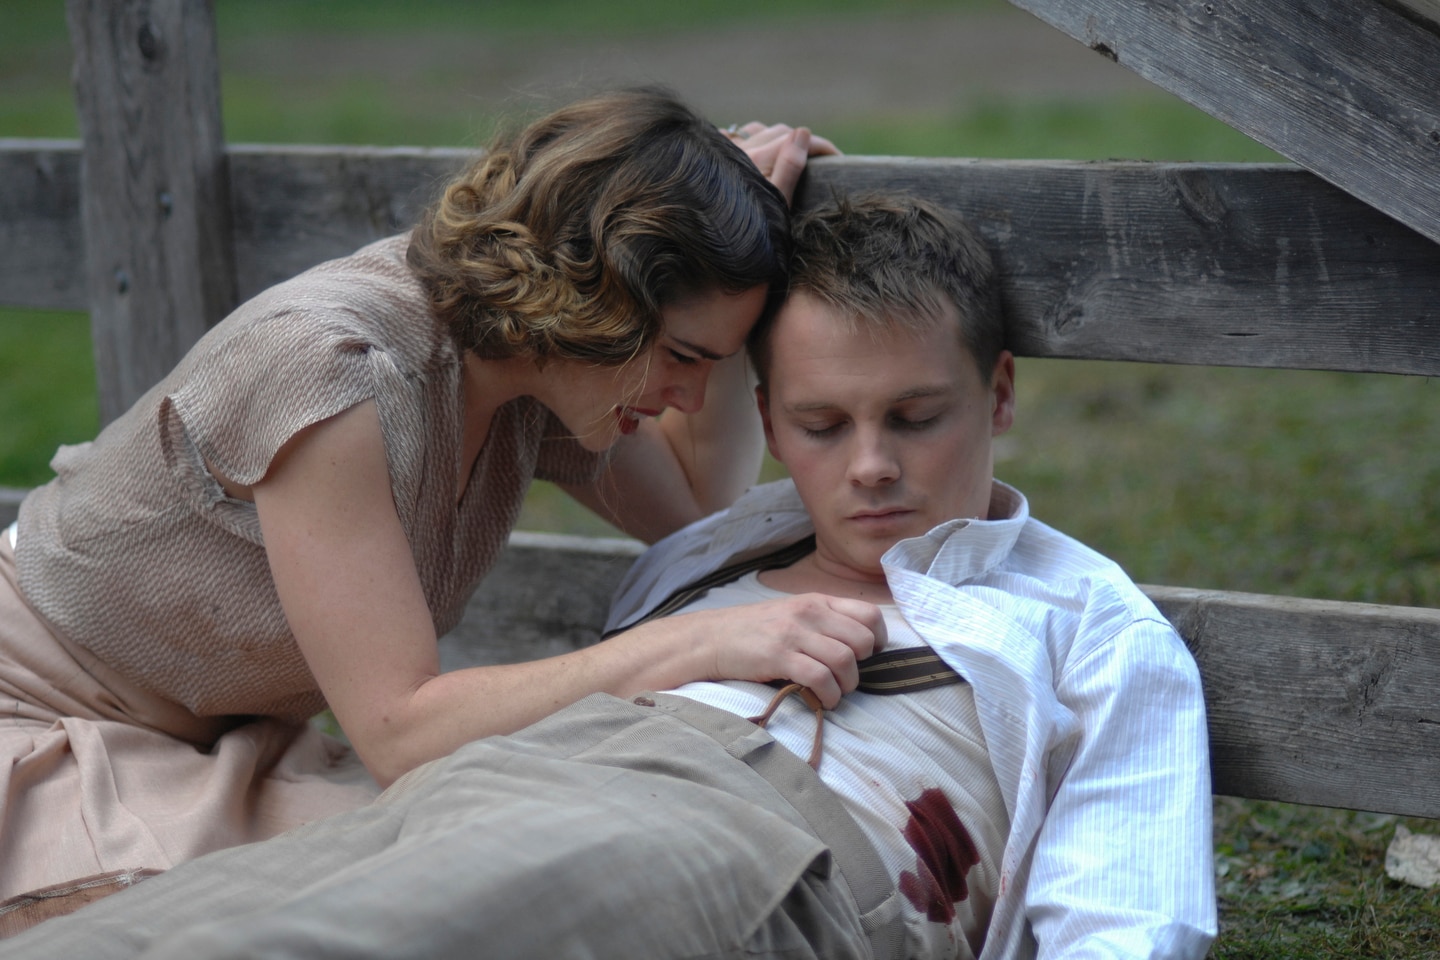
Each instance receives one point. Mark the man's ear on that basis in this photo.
(763, 403)
(1002, 390)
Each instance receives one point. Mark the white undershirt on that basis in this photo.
(881, 752)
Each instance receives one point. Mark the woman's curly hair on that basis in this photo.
(567, 240)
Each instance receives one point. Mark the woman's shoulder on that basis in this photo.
(367, 300)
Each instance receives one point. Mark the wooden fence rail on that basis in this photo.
(1225, 264)
(162, 226)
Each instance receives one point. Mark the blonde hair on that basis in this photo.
(567, 240)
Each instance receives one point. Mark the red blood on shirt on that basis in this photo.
(944, 855)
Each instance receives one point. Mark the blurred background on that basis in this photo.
(1313, 484)
(1310, 484)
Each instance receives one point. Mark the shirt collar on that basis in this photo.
(959, 550)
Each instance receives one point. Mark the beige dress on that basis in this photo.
(153, 703)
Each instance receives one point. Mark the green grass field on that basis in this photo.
(1311, 484)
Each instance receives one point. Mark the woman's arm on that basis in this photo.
(347, 581)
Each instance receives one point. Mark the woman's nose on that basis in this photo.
(686, 392)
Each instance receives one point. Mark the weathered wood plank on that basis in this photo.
(1316, 701)
(1345, 88)
(549, 594)
(1246, 265)
(10, 498)
(298, 206)
(1424, 11)
(155, 189)
(1250, 265)
(42, 249)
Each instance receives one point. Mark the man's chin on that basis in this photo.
(862, 561)
(879, 538)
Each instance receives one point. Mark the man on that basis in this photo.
(1022, 770)
(1064, 789)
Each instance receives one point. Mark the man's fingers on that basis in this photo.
(867, 615)
(822, 679)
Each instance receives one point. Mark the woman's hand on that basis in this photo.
(780, 151)
(811, 639)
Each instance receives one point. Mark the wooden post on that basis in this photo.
(155, 196)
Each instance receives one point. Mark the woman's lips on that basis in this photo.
(630, 417)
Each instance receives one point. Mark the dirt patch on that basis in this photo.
(809, 71)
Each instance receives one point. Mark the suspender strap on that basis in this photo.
(768, 561)
(886, 673)
(904, 671)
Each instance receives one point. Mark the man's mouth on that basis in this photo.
(880, 515)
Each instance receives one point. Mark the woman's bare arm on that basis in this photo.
(348, 584)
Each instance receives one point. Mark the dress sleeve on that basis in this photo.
(237, 400)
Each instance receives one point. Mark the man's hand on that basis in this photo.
(811, 639)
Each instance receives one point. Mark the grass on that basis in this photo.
(47, 391)
(1310, 484)
(1305, 882)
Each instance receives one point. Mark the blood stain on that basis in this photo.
(944, 855)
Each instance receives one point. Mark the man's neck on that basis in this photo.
(807, 576)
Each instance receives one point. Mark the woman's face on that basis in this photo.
(602, 404)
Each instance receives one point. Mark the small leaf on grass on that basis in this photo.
(1413, 858)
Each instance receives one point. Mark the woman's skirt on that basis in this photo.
(103, 783)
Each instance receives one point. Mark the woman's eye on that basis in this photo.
(683, 358)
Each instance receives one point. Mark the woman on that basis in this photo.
(291, 518)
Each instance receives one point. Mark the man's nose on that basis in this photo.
(872, 461)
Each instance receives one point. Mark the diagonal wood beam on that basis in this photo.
(1345, 88)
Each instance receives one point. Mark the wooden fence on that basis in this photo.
(1244, 265)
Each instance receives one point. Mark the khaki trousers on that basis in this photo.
(657, 827)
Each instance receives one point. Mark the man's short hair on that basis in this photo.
(883, 260)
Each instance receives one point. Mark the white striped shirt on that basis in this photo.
(1089, 703)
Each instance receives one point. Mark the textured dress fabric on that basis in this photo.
(147, 672)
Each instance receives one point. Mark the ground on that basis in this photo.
(808, 71)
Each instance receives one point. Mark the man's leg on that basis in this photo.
(586, 835)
